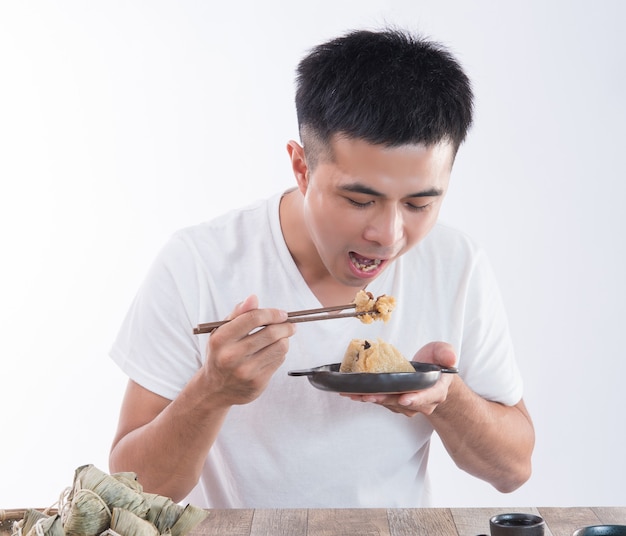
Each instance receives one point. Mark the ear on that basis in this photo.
(298, 165)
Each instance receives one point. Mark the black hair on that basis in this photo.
(386, 87)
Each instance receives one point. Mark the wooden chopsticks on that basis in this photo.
(306, 315)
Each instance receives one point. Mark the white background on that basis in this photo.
(122, 121)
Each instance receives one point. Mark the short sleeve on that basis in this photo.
(156, 346)
(487, 360)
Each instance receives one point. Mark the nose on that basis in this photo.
(385, 227)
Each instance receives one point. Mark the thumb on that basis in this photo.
(437, 353)
(250, 303)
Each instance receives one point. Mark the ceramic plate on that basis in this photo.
(328, 378)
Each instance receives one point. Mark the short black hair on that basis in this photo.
(385, 87)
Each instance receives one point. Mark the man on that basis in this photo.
(216, 419)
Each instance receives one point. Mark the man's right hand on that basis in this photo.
(242, 355)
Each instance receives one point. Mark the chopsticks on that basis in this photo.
(306, 315)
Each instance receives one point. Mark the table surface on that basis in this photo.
(394, 522)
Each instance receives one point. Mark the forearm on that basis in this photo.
(487, 439)
(168, 452)
(166, 443)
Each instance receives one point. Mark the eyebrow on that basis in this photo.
(362, 189)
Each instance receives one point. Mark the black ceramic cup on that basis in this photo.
(517, 525)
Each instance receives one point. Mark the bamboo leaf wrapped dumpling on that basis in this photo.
(125, 523)
(191, 516)
(163, 512)
(171, 517)
(47, 526)
(129, 479)
(99, 504)
(114, 492)
(31, 517)
(86, 515)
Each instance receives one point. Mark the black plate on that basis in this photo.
(602, 530)
(328, 378)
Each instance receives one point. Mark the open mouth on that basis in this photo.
(364, 264)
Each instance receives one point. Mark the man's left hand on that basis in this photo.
(426, 400)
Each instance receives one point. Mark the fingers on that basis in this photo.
(250, 303)
(244, 353)
(409, 404)
(267, 345)
(250, 333)
(247, 317)
(438, 353)
(426, 400)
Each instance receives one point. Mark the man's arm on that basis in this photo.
(166, 442)
(489, 440)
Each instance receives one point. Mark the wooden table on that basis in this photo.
(380, 522)
(393, 522)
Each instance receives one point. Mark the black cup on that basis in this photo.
(517, 525)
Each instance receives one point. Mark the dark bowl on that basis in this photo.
(601, 530)
(328, 378)
(517, 524)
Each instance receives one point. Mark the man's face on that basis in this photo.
(369, 204)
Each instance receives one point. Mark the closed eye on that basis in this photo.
(358, 204)
(417, 208)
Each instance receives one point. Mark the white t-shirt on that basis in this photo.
(297, 446)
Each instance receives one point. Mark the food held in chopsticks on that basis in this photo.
(365, 307)
(374, 308)
(368, 356)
